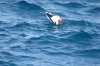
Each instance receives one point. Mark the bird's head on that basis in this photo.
(58, 22)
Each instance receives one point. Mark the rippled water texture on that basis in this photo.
(27, 38)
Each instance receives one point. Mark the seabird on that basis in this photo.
(55, 19)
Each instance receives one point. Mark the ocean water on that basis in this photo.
(28, 38)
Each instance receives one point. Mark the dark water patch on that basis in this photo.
(9, 1)
(37, 39)
(15, 47)
(93, 1)
(4, 53)
(20, 28)
(28, 10)
(3, 24)
(3, 36)
(53, 43)
(11, 41)
(93, 53)
(55, 53)
(16, 58)
(68, 49)
(22, 9)
(5, 8)
(82, 25)
(66, 34)
(83, 35)
(29, 6)
(20, 48)
(25, 58)
(4, 63)
(96, 41)
(22, 25)
(97, 25)
(81, 38)
(79, 23)
(72, 5)
(95, 10)
(49, 37)
(23, 35)
(2, 30)
(78, 40)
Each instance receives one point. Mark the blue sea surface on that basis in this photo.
(28, 38)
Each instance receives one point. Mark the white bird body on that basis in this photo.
(54, 18)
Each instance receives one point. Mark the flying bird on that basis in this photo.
(55, 19)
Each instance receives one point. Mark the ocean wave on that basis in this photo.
(82, 25)
(79, 23)
(22, 25)
(4, 36)
(84, 36)
(88, 53)
(4, 24)
(55, 53)
(28, 10)
(72, 5)
(29, 6)
(92, 1)
(32, 40)
(95, 10)
(22, 9)
(75, 37)
(9, 1)
(5, 53)
(4, 63)
(26, 35)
